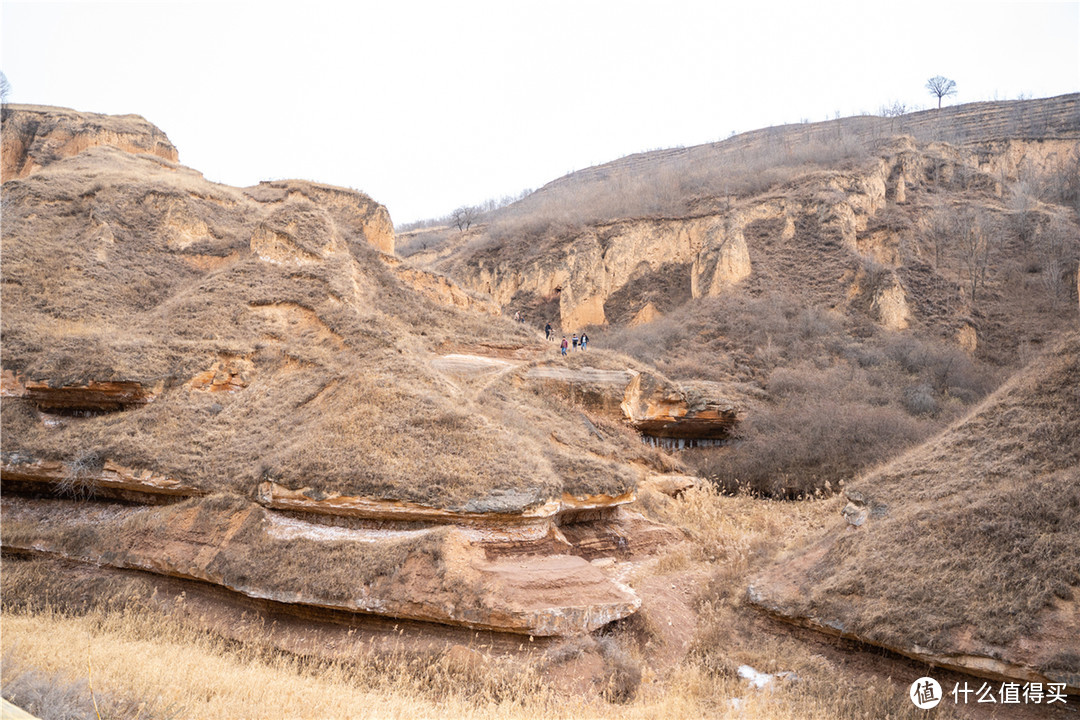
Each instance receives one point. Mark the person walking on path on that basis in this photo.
(584, 340)
(575, 341)
(563, 346)
(547, 331)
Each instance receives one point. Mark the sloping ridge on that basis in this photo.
(962, 552)
(1057, 117)
(254, 378)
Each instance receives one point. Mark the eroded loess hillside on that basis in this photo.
(863, 282)
(962, 552)
(848, 233)
(240, 386)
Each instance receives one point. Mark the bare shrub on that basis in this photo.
(56, 696)
(622, 673)
(80, 480)
(796, 449)
(920, 400)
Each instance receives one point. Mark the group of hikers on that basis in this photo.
(576, 342)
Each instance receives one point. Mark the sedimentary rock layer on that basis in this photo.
(432, 575)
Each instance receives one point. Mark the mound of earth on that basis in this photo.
(171, 339)
(962, 552)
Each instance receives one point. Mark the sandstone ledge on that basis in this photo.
(93, 396)
(529, 522)
(442, 578)
(107, 479)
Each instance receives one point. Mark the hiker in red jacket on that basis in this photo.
(564, 345)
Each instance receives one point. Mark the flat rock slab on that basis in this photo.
(470, 365)
(427, 574)
(621, 378)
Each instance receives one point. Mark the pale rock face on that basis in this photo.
(659, 408)
(34, 137)
(723, 263)
(967, 338)
(588, 312)
(645, 315)
(890, 307)
(882, 246)
(441, 289)
(277, 247)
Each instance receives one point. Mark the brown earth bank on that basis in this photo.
(198, 379)
(962, 552)
(855, 286)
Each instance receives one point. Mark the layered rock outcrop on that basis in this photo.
(661, 409)
(655, 406)
(259, 383)
(36, 136)
(421, 574)
(90, 397)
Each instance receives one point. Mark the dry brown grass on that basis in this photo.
(973, 533)
(106, 277)
(184, 667)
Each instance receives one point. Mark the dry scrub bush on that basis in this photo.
(78, 483)
(838, 402)
(622, 673)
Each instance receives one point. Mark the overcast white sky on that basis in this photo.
(430, 105)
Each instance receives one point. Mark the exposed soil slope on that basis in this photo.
(963, 551)
(264, 338)
(254, 365)
(35, 136)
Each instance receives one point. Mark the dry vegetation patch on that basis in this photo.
(966, 544)
(339, 392)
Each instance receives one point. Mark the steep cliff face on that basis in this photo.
(36, 136)
(818, 230)
(711, 252)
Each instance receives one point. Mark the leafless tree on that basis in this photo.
(975, 243)
(5, 91)
(941, 87)
(896, 109)
(1057, 251)
(943, 226)
(465, 216)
